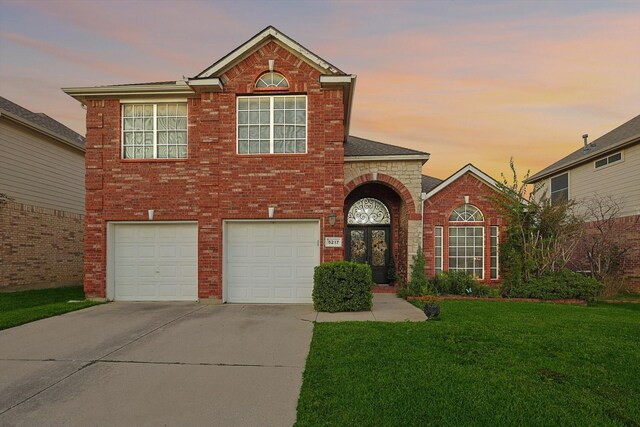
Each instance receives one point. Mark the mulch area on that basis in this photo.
(461, 297)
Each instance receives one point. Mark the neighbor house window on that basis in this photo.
(272, 124)
(494, 252)
(608, 160)
(466, 242)
(438, 249)
(560, 188)
(154, 131)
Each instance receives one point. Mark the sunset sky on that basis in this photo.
(465, 81)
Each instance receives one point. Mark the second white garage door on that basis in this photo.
(271, 262)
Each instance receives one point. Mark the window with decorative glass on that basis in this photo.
(272, 124)
(154, 131)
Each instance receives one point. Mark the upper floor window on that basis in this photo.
(272, 124)
(272, 80)
(154, 131)
(466, 213)
(560, 188)
(608, 160)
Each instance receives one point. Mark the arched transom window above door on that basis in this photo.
(466, 213)
(368, 211)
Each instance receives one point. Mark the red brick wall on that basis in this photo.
(215, 183)
(625, 233)
(39, 247)
(438, 208)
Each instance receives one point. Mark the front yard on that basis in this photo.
(17, 308)
(484, 363)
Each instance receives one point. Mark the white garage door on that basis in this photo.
(271, 262)
(155, 262)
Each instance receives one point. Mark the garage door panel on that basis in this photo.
(155, 262)
(270, 261)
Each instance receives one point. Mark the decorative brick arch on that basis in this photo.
(389, 181)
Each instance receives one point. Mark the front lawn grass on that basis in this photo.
(17, 308)
(483, 363)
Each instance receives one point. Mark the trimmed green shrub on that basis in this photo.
(559, 284)
(342, 286)
(460, 283)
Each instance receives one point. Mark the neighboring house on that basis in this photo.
(233, 185)
(608, 167)
(41, 224)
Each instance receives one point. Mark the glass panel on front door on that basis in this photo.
(358, 247)
(378, 248)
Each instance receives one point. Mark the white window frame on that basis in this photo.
(438, 234)
(551, 192)
(483, 247)
(497, 255)
(609, 162)
(154, 104)
(271, 124)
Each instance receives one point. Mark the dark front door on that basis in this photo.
(371, 245)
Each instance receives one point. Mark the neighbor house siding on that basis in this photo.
(620, 180)
(39, 171)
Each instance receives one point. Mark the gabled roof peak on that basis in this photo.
(466, 168)
(259, 40)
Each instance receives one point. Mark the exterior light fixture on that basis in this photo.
(332, 218)
(150, 212)
(271, 210)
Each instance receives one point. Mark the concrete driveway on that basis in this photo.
(156, 364)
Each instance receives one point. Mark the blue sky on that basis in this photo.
(466, 81)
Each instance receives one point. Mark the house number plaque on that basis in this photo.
(333, 242)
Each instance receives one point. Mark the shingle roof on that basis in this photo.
(360, 147)
(43, 121)
(429, 183)
(627, 133)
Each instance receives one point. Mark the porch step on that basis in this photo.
(384, 289)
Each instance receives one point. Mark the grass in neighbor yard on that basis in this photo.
(17, 308)
(483, 363)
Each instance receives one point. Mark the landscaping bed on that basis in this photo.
(17, 308)
(462, 297)
(482, 364)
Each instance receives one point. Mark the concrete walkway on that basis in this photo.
(386, 308)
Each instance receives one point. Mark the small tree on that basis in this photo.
(541, 236)
(418, 282)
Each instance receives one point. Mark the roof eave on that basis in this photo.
(249, 46)
(398, 157)
(467, 168)
(69, 142)
(179, 88)
(544, 175)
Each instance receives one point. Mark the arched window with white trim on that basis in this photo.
(272, 79)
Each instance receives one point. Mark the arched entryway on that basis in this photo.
(376, 230)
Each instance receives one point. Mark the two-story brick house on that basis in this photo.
(232, 185)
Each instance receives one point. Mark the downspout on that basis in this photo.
(423, 198)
